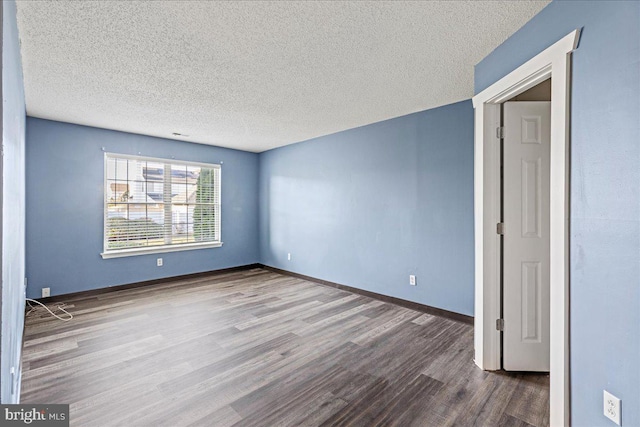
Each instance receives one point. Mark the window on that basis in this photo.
(155, 205)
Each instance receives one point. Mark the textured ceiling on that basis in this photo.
(253, 75)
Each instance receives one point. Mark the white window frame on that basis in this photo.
(118, 253)
(555, 63)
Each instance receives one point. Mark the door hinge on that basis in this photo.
(500, 324)
(500, 132)
(500, 228)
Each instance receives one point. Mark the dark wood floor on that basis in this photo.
(256, 348)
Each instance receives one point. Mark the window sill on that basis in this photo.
(119, 253)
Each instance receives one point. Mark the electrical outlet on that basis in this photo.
(611, 407)
(159, 262)
(13, 380)
(46, 292)
(289, 257)
(412, 280)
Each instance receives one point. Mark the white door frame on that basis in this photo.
(554, 63)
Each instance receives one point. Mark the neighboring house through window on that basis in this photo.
(155, 205)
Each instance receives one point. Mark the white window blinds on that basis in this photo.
(155, 205)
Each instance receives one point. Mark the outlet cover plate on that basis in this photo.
(46, 292)
(611, 407)
(159, 262)
(412, 280)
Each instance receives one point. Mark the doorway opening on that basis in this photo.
(553, 63)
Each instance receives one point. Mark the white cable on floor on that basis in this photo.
(51, 312)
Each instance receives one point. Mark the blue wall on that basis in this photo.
(13, 207)
(369, 206)
(605, 194)
(65, 209)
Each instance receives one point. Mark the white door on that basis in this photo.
(526, 236)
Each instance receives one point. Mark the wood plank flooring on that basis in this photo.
(257, 348)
